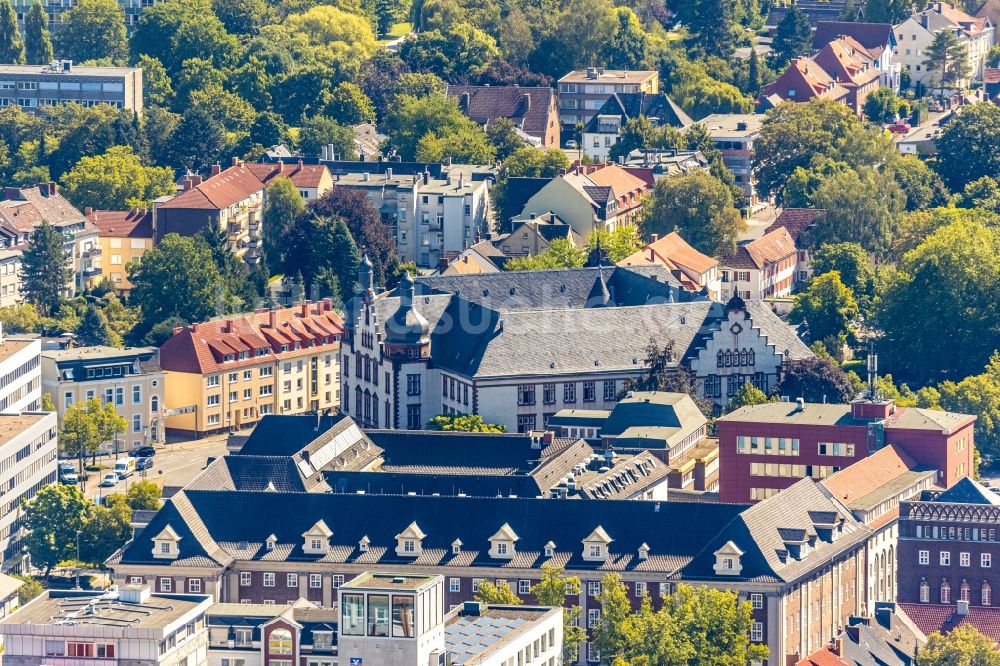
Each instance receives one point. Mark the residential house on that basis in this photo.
(28, 452)
(482, 257)
(34, 87)
(915, 35)
(433, 211)
(766, 448)
(887, 639)
(225, 374)
(797, 558)
(583, 92)
(991, 83)
(131, 379)
(695, 270)
(603, 129)
(516, 347)
(763, 268)
(734, 135)
(653, 164)
(232, 200)
(872, 488)
(848, 63)
(125, 236)
(367, 142)
(532, 234)
(23, 209)
(796, 221)
(990, 10)
(123, 625)
(534, 111)
(602, 197)
(805, 80)
(876, 42)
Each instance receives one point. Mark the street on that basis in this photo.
(173, 465)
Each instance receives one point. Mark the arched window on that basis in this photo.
(925, 592)
(368, 406)
(154, 404)
(357, 402)
(945, 593)
(964, 592)
(987, 594)
(744, 357)
(346, 407)
(280, 642)
(720, 359)
(375, 410)
(751, 356)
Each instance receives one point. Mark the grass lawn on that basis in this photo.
(398, 30)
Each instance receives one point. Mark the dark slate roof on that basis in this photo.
(251, 473)
(519, 189)
(283, 435)
(863, 645)
(429, 451)
(401, 483)
(869, 35)
(239, 523)
(528, 108)
(760, 532)
(967, 491)
(632, 105)
(554, 289)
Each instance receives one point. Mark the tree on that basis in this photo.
(754, 80)
(93, 30)
(697, 205)
(94, 328)
(884, 106)
(436, 119)
(827, 306)
(37, 42)
(622, 242)
(463, 423)
(792, 38)
(552, 590)
(320, 248)
(664, 373)
(748, 394)
(269, 129)
(922, 186)
(983, 194)
(116, 180)
(962, 645)
(861, 205)
(106, 530)
(242, 17)
(949, 58)
(349, 106)
(499, 594)
(969, 146)
(283, 204)
(144, 496)
(53, 519)
(849, 260)
(370, 235)
(614, 634)
(886, 11)
(560, 253)
(45, 268)
(319, 131)
(504, 137)
(177, 278)
(627, 47)
(979, 395)
(199, 140)
(30, 589)
(814, 380)
(11, 44)
(938, 307)
(388, 13)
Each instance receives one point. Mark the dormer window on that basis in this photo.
(409, 542)
(456, 546)
(595, 546)
(727, 560)
(363, 544)
(502, 543)
(550, 549)
(166, 544)
(317, 539)
(270, 543)
(644, 552)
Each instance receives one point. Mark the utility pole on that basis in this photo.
(78, 560)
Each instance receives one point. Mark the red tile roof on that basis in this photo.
(135, 223)
(220, 191)
(944, 618)
(202, 348)
(25, 208)
(673, 252)
(869, 474)
(843, 60)
(797, 220)
(991, 75)
(808, 80)
(823, 657)
(874, 37)
(306, 176)
(770, 248)
(528, 108)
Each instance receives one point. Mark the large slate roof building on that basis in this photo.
(516, 348)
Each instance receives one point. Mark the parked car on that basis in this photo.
(124, 467)
(571, 143)
(900, 128)
(143, 463)
(142, 452)
(67, 475)
(110, 480)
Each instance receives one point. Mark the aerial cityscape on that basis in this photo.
(530, 333)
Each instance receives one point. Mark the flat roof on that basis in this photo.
(389, 581)
(76, 70)
(469, 636)
(12, 425)
(838, 414)
(96, 352)
(11, 346)
(727, 123)
(75, 609)
(619, 75)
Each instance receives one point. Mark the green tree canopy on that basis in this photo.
(45, 268)
(560, 253)
(748, 394)
(948, 59)
(107, 528)
(849, 260)
(283, 204)
(827, 306)
(93, 30)
(697, 205)
(177, 278)
(37, 42)
(969, 146)
(884, 106)
(94, 329)
(349, 106)
(793, 36)
(435, 125)
(116, 180)
(319, 131)
(463, 423)
(53, 519)
(922, 185)
(499, 593)
(144, 496)
(862, 205)
(815, 380)
(11, 43)
(553, 589)
(963, 645)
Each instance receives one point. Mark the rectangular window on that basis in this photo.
(525, 423)
(246, 578)
(268, 579)
(593, 618)
(589, 392)
(166, 584)
(757, 632)
(454, 584)
(315, 581)
(924, 557)
(945, 558)
(136, 395)
(757, 600)
(412, 384)
(549, 394)
(194, 585)
(594, 588)
(640, 589)
(402, 616)
(137, 423)
(964, 559)
(353, 615)
(524, 586)
(378, 615)
(337, 580)
(291, 580)
(569, 393)
(526, 394)
(986, 560)
(413, 421)
(610, 389)
(213, 380)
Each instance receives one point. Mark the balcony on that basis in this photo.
(91, 271)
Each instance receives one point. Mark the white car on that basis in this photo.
(110, 480)
(571, 143)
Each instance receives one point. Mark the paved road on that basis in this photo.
(173, 465)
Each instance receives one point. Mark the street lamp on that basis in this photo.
(78, 532)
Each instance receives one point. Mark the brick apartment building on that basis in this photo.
(767, 448)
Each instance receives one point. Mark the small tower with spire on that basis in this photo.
(407, 333)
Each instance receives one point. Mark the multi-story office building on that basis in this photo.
(24, 208)
(583, 92)
(20, 375)
(131, 379)
(124, 236)
(28, 453)
(56, 8)
(224, 374)
(62, 82)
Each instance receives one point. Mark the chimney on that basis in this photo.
(653, 238)
(525, 104)
(216, 169)
(235, 161)
(801, 402)
(388, 173)
(272, 318)
(305, 309)
(329, 151)
(322, 152)
(962, 606)
(427, 177)
(187, 183)
(327, 304)
(442, 265)
(837, 647)
(464, 101)
(196, 180)
(88, 211)
(229, 326)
